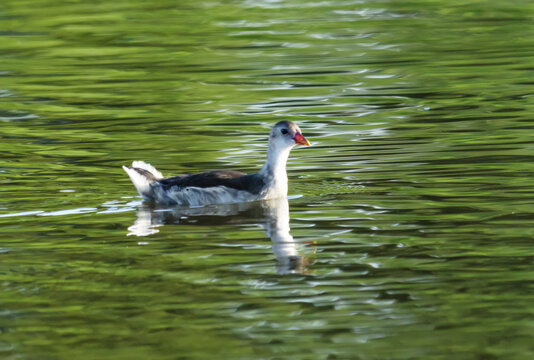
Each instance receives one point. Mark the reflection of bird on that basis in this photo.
(220, 186)
(285, 248)
(272, 215)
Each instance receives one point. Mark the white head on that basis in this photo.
(286, 134)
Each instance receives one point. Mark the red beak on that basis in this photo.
(301, 140)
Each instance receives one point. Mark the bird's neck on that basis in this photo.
(274, 169)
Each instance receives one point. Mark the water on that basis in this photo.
(410, 215)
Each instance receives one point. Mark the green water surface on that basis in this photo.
(411, 215)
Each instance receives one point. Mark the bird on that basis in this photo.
(222, 186)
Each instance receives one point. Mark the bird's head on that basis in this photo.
(287, 134)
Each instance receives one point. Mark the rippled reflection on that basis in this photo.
(272, 215)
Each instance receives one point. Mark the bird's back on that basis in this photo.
(237, 180)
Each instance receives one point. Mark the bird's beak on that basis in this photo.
(301, 140)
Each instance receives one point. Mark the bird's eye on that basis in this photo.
(284, 131)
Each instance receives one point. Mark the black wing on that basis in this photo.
(252, 183)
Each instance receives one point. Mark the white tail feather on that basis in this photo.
(141, 183)
(145, 166)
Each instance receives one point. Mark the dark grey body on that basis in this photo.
(253, 183)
